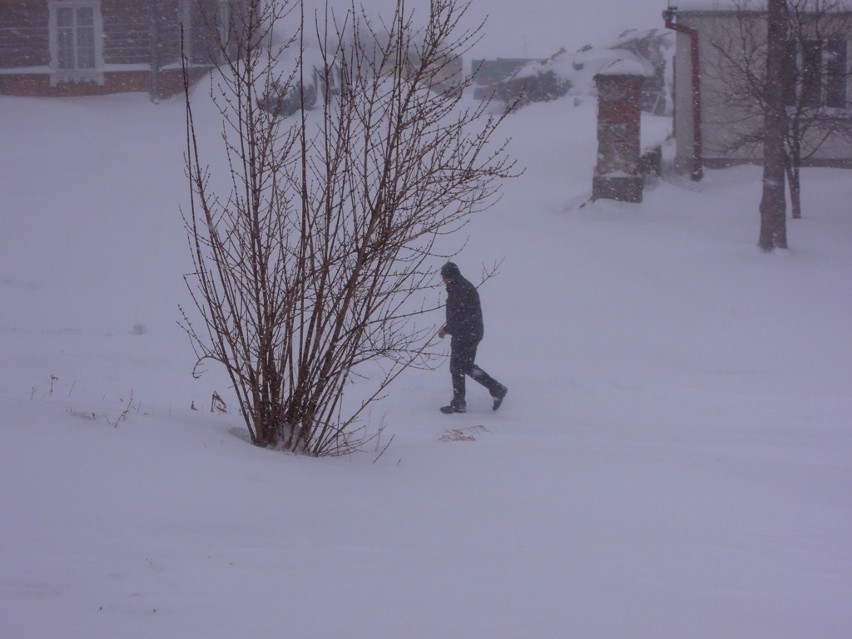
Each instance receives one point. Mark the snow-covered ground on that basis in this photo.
(674, 458)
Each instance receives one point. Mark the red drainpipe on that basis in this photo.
(670, 16)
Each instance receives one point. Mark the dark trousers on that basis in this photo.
(462, 358)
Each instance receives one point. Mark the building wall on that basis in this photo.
(727, 116)
(682, 103)
(127, 28)
(129, 59)
(23, 33)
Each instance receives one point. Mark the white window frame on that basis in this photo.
(76, 74)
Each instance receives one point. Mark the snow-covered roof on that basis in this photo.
(625, 66)
(617, 57)
(713, 6)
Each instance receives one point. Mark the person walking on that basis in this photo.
(465, 327)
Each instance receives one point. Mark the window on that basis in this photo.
(223, 25)
(836, 74)
(76, 37)
(817, 73)
(223, 20)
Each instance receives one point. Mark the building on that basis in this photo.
(717, 122)
(95, 47)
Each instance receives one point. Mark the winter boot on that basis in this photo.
(455, 406)
(498, 395)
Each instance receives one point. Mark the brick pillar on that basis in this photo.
(617, 175)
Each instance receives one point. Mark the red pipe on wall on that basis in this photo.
(670, 16)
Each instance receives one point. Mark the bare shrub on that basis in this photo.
(310, 268)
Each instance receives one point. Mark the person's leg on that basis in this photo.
(495, 388)
(485, 379)
(462, 356)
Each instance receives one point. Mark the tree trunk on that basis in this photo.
(773, 209)
(795, 181)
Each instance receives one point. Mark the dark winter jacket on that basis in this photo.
(464, 312)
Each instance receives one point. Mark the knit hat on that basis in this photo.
(450, 270)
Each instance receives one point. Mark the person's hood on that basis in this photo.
(450, 270)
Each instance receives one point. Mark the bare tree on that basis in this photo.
(312, 262)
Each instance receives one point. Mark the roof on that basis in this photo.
(709, 5)
(735, 6)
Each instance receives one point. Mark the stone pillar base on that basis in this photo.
(622, 188)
